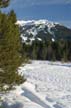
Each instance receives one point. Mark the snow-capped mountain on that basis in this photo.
(42, 30)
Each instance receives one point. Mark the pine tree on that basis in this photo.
(10, 58)
(42, 52)
(10, 46)
(49, 51)
(4, 3)
(34, 51)
(12, 16)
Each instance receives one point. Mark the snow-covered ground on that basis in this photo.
(48, 85)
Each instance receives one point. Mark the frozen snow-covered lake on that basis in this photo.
(48, 86)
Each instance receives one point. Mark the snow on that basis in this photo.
(23, 22)
(23, 38)
(5, 87)
(36, 22)
(53, 39)
(48, 85)
(33, 27)
(42, 24)
(39, 39)
(32, 31)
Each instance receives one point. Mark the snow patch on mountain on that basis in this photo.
(36, 22)
(43, 29)
(33, 27)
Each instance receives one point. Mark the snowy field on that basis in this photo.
(48, 85)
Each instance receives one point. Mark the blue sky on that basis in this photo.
(53, 10)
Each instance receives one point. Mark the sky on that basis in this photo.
(52, 10)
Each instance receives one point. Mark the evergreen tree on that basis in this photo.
(4, 3)
(54, 47)
(35, 50)
(10, 46)
(42, 52)
(12, 16)
(49, 51)
(10, 58)
(65, 53)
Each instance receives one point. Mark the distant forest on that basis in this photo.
(48, 50)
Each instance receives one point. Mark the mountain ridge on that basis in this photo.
(42, 30)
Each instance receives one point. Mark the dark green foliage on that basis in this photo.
(4, 3)
(1, 107)
(48, 50)
(62, 32)
(12, 16)
(10, 48)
